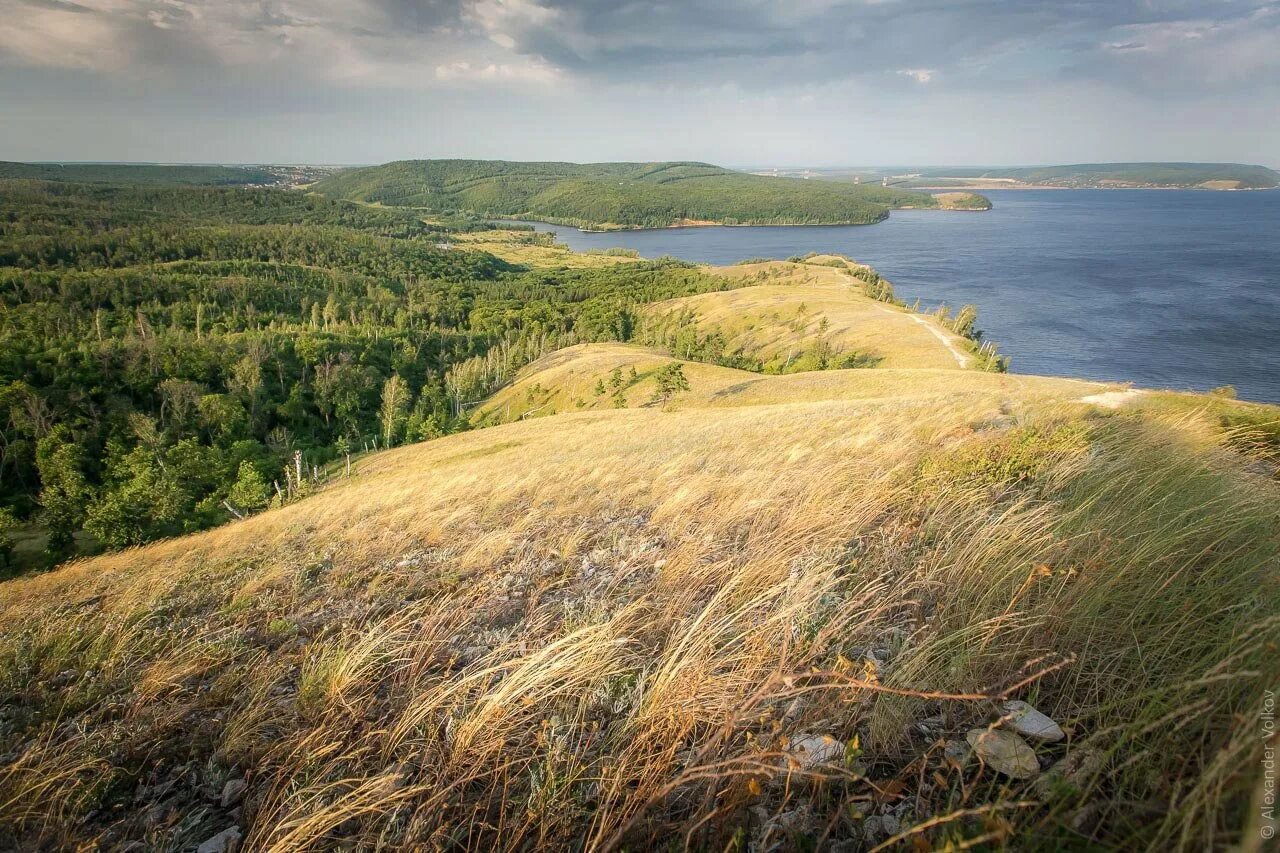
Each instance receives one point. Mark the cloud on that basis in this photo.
(531, 72)
(920, 75)
(1169, 46)
(63, 35)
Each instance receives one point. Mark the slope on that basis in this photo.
(806, 316)
(771, 620)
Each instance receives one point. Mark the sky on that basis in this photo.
(737, 82)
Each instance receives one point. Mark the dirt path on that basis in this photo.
(960, 357)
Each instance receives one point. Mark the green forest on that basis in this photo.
(172, 357)
(137, 173)
(616, 195)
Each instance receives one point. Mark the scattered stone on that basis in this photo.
(227, 841)
(1076, 768)
(233, 792)
(811, 750)
(1004, 752)
(958, 752)
(155, 817)
(878, 828)
(1028, 722)
(931, 725)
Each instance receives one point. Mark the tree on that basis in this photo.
(250, 491)
(7, 525)
(965, 322)
(395, 403)
(670, 380)
(64, 492)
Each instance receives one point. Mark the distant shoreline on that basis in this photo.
(978, 188)
(709, 224)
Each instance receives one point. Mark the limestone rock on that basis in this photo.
(233, 792)
(1004, 752)
(227, 841)
(1030, 723)
(878, 828)
(958, 753)
(811, 750)
(1076, 769)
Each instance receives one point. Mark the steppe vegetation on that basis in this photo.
(748, 624)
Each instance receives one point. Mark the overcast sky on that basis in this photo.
(737, 82)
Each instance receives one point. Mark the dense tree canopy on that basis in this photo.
(172, 357)
(616, 194)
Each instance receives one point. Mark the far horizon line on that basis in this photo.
(742, 168)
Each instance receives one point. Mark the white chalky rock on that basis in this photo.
(1004, 752)
(1028, 722)
(811, 750)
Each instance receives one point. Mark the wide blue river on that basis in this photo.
(1163, 288)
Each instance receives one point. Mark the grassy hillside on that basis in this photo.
(775, 621)
(790, 317)
(137, 173)
(590, 377)
(615, 195)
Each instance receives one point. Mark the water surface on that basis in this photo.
(1163, 288)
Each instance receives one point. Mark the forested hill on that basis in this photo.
(166, 353)
(618, 195)
(139, 173)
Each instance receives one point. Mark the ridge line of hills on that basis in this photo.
(610, 196)
(1155, 175)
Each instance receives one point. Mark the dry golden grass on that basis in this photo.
(517, 247)
(780, 318)
(568, 381)
(611, 629)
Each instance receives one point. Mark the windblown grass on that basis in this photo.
(778, 320)
(612, 629)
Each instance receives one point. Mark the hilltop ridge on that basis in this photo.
(620, 195)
